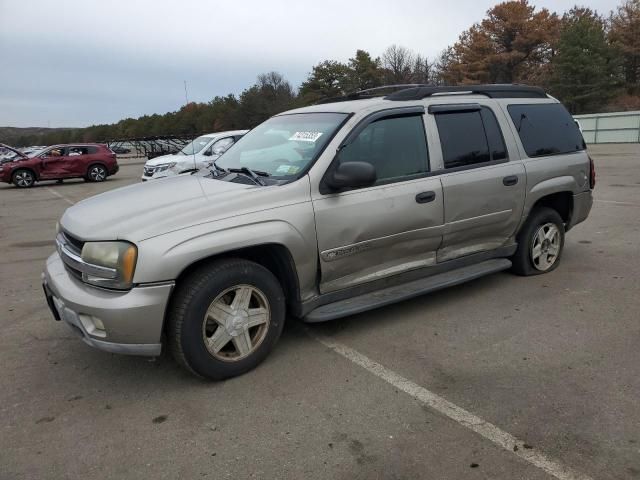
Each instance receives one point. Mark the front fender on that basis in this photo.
(166, 256)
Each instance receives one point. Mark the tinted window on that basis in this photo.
(497, 148)
(546, 129)
(462, 138)
(395, 146)
(470, 137)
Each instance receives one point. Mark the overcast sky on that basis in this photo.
(81, 62)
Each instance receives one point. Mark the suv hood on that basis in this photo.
(22, 155)
(154, 162)
(145, 210)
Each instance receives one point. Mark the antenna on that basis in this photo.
(186, 104)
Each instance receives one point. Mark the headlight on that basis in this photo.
(116, 262)
(165, 166)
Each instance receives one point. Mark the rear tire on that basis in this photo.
(225, 318)
(540, 243)
(96, 173)
(23, 178)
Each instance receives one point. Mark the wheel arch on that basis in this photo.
(561, 202)
(556, 193)
(274, 257)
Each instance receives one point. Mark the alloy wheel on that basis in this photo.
(23, 179)
(545, 246)
(97, 173)
(236, 323)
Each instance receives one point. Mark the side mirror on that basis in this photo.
(207, 153)
(352, 175)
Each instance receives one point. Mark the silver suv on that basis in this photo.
(319, 213)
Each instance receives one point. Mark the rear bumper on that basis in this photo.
(582, 203)
(119, 322)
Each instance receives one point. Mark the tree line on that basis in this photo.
(589, 61)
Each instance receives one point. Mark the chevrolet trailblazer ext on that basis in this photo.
(323, 212)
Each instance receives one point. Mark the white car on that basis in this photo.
(194, 156)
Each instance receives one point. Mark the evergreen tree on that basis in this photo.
(584, 69)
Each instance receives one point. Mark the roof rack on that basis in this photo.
(371, 92)
(491, 91)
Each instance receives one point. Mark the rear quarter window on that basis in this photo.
(546, 129)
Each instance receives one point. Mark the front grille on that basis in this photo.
(73, 243)
(75, 246)
(149, 171)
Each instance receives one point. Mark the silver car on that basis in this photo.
(319, 213)
(198, 154)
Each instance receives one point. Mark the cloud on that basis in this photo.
(80, 62)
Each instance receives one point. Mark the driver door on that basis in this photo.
(391, 227)
(54, 166)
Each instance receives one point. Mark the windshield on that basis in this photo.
(35, 153)
(283, 146)
(195, 146)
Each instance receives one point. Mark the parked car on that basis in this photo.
(198, 154)
(93, 162)
(319, 213)
(120, 150)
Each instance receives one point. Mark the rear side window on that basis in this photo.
(395, 146)
(546, 129)
(76, 151)
(470, 137)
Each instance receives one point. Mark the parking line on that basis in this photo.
(459, 415)
(70, 202)
(628, 204)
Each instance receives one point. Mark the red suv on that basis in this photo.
(91, 161)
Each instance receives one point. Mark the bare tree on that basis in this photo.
(397, 61)
(421, 70)
(274, 82)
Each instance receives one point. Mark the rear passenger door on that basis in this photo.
(79, 159)
(369, 233)
(483, 190)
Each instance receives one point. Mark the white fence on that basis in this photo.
(619, 127)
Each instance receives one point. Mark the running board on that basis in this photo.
(387, 296)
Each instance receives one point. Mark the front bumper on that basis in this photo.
(127, 322)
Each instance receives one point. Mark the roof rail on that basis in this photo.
(491, 91)
(371, 92)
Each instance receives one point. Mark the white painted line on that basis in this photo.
(70, 202)
(628, 204)
(455, 413)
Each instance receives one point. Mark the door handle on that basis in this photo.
(510, 180)
(425, 197)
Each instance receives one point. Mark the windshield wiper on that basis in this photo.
(253, 174)
(218, 168)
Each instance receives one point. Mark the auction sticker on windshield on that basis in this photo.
(306, 136)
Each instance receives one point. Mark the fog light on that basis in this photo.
(98, 323)
(93, 325)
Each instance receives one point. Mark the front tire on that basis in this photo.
(23, 178)
(225, 318)
(540, 243)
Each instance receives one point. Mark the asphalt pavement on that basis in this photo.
(490, 379)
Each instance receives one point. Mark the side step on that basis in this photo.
(380, 298)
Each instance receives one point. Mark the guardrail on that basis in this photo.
(617, 127)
